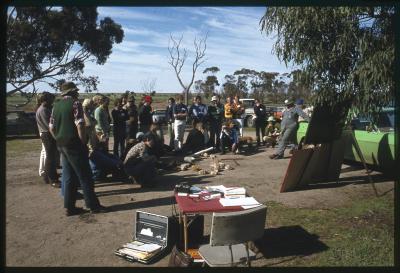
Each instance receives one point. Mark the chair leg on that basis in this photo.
(248, 255)
(230, 248)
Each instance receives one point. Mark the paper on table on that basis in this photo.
(246, 201)
(182, 194)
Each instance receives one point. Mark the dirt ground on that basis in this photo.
(39, 234)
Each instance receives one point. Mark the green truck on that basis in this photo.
(376, 142)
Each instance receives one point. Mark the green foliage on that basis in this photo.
(46, 44)
(344, 52)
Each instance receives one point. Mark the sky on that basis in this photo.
(234, 41)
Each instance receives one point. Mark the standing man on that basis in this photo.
(261, 115)
(169, 116)
(216, 113)
(238, 113)
(133, 115)
(145, 115)
(289, 126)
(198, 112)
(228, 108)
(180, 113)
(67, 125)
(43, 114)
(103, 124)
(119, 116)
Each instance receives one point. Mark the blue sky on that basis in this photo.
(234, 41)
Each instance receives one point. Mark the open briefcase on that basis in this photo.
(152, 238)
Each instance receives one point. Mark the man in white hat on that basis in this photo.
(216, 114)
(67, 125)
(289, 126)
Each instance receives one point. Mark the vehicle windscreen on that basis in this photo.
(248, 103)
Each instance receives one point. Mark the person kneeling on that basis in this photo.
(195, 139)
(140, 164)
(103, 163)
(229, 137)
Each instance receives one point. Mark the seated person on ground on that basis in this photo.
(229, 136)
(195, 139)
(140, 164)
(272, 132)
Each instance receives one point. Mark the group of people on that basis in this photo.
(79, 133)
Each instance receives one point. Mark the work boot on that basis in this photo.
(74, 211)
(99, 209)
(45, 179)
(56, 184)
(278, 157)
(273, 156)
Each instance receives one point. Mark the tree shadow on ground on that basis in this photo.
(345, 181)
(288, 241)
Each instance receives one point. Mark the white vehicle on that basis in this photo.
(248, 112)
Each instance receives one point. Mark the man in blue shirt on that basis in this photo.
(198, 112)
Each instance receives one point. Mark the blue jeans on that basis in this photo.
(76, 170)
(102, 164)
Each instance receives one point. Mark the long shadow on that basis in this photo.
(154, 202)
(289, 241)
(344, 181)
(22, 137)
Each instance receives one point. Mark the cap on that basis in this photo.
(214, 98)
(147, 99)
(299, 101)
(271, 118)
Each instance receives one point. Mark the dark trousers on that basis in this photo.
(215, 131)
(144, 128)
(144, 172)
(132, 130)
(50, 164)
(226, 141)
(76, 171)
(119, 144)
(260, 128)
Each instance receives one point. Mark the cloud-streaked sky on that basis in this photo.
(234, 42)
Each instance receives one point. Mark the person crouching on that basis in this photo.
(139, 164)
(229, 137)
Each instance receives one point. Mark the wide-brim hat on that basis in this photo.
(68, 88)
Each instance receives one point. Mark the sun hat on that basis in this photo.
(67, 88)
(214, 98)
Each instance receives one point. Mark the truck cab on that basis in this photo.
(248, 105)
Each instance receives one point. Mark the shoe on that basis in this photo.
(99, 209)
(74, 211)
(273, 156)
(56, 184)
(45, 179)
(278, 157)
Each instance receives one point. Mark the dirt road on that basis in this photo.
(39, 234)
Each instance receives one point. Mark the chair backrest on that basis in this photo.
(238, 227)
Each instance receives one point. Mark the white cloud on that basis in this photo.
(130, 13)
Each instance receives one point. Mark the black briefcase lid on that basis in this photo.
(151, 228)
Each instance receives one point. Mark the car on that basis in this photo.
(20, 122)
(159, 117)
(376, 141)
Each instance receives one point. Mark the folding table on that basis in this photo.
(198, 205)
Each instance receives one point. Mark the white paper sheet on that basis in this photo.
(246, 201)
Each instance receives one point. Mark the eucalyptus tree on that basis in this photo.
(345, 53)
(48, 44)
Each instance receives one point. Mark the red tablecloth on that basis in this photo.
(188, 204)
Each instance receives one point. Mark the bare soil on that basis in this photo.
(39, 234)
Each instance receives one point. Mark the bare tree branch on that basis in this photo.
(178, 57)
